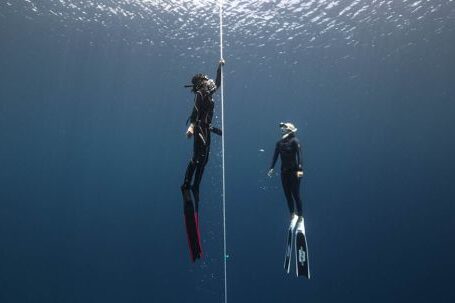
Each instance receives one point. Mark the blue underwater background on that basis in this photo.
(92, 149)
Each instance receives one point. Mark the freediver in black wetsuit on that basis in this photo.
(291, 173)
(291, 167)
(200, 129)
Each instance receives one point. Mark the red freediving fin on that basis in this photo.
(191, 225)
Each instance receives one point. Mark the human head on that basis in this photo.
(198, 80)
(287, 128)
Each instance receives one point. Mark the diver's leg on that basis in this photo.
(191, 207)
(203, 156)
(200, 167)
(287, 191)
(295, 188)
(192, 164)
(202, 162)
(189, 174)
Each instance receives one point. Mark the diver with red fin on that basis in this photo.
(200, 129)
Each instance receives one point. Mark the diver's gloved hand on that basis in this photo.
(222, 61)
(270, 173)
(300, 174)
(190, 131)
(216, 130)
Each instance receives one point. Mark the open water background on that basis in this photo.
(92, 149)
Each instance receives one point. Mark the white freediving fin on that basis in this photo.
(301, 251)
(290, 241)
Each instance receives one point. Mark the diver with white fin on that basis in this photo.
(289, 149)
(200, 128)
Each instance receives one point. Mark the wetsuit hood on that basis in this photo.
(198, 81)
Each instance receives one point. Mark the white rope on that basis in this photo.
(225, 256)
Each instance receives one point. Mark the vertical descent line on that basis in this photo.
(222, 155)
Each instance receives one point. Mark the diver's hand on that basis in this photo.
(190, 131)
(270, 173)
(216, 130)
(300, 174)
(222, 61)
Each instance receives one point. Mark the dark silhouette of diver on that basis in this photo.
(200, 128)
(288, 147)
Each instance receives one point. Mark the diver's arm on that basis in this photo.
(299, 158)
(194, 114)
(298, 153)
(218, 74)
(275, 157)
(197, 105)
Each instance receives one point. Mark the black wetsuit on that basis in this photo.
(201, 118)
(291, 162)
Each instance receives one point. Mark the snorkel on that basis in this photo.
(197, 82)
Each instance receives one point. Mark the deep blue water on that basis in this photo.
(92, 153)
